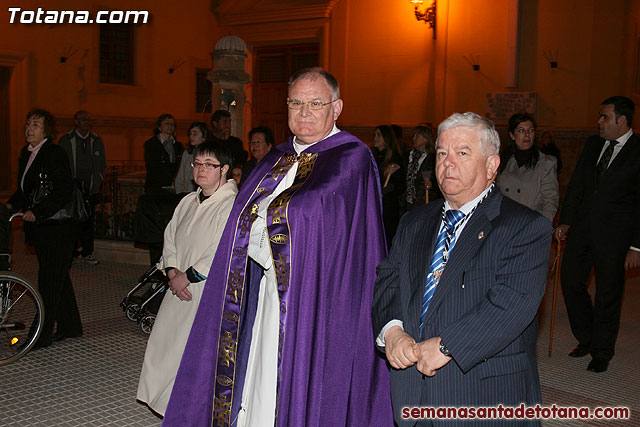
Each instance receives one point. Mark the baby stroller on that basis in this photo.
(143, 309)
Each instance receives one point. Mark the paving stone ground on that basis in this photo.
(92, 381)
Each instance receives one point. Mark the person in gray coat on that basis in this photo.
(87, 159)
(526, 175)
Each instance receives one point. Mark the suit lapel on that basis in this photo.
(467, 245)
(591, 170)
(73, 153)
(624, 154)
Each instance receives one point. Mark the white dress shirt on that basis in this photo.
(616, 149)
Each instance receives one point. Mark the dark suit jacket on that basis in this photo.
(160, 171)
(52, 160)
(98, 159)
(484, 307)
(234, 145)
(590, 206)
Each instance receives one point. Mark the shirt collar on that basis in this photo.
(468, 207)
(219, 137)
(163, 139)
(301, 147)
(624, 138)
(37, 147)
(82, 137)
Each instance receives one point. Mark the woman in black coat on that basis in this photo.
(162, 156)
(54, 241)
(421, 170)
(392, 172)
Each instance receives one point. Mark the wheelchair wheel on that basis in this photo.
(21, 317)
(146, 323)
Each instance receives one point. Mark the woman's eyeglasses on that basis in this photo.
(206, 166)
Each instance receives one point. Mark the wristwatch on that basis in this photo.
(444, 350)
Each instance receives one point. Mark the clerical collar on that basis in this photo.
(301, 147)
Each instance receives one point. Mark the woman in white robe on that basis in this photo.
(190, 242)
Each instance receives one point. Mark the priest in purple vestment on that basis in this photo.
(283, 334)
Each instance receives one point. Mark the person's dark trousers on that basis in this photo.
(595, 325)
(54, 246)
(4, 237)
(155, 252)
(153, 213)
(86, 230)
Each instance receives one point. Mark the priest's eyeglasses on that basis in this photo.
(206, 166)
(296, 104)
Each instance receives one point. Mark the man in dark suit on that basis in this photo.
(87, 159)
(221, 134)
(601, 218)
(455, 303)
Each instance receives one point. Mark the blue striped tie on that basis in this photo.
(445, 237)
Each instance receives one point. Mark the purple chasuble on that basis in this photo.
(326, 237)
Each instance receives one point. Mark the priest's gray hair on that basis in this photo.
(314, 72)
(489, 138)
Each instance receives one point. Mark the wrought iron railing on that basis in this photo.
(116, 209)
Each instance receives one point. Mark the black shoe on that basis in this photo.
(598, 364)
(59, 337)
(579, 351)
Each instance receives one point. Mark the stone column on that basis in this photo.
(228, 78)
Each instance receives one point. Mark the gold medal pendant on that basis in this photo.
(437, 273)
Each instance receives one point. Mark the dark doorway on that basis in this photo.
(5, 135)
(273, 66)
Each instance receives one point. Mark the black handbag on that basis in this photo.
(76, 209)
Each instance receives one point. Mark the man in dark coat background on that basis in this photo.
(221, 127)
(601, 219)
(88, 162)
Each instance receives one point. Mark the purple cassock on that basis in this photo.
(326, 238)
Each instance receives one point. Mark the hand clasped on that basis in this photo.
(430, 358)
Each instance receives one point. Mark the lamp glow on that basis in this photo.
(428, 16)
